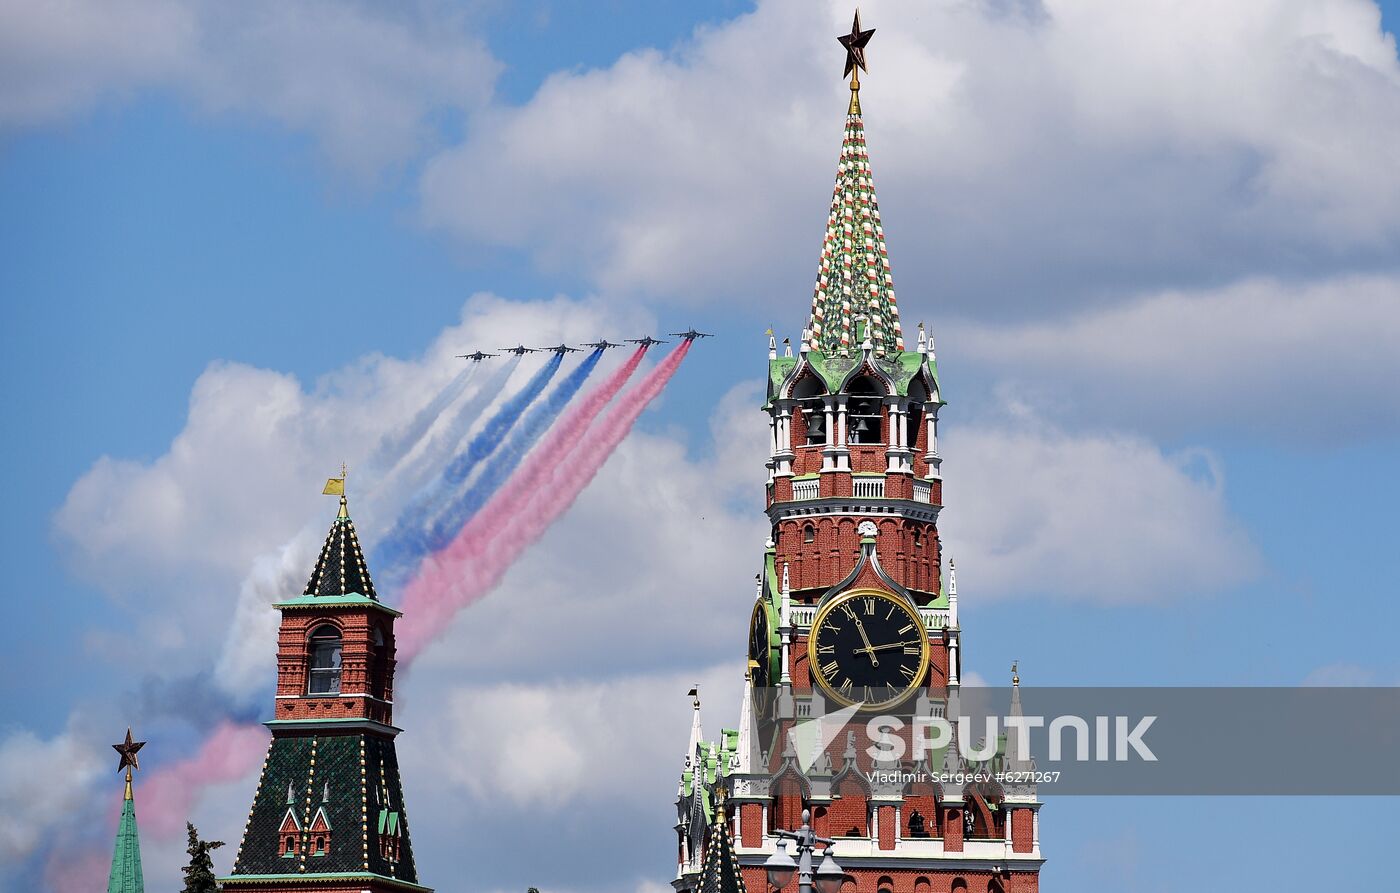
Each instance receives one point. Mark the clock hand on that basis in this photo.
(874, 661)
(881, 647)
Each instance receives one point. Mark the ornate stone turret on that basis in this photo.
(328, 813)
(854, 616)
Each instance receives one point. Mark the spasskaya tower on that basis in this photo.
(855, 607)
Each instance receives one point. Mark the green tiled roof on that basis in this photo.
(352, 776)
(126, 855)
(341, 567)
(361, 876)
(901, 367)
(353, 599)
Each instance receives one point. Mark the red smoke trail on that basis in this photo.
(164, 800)
(539, 492)
(476, 560)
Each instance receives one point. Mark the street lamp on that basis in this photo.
(828, 877)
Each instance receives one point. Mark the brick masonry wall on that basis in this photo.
(908, 550)
(366, 680)
(1022, 831)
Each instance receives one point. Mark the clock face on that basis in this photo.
(760, 646)
(868, 647)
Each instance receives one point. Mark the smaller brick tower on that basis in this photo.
(328, 814)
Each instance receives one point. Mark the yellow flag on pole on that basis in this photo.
(334, 487)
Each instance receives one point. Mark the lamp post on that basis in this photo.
(828, 877)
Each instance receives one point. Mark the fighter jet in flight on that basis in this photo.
(520, 350)
(475, 357)
(646, 341)
(561, 348)
(600, 345)
(690, 334)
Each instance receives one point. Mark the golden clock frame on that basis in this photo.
(774, 649)
(814, 667)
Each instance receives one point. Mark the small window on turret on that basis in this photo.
(324, 675)
(809, 533)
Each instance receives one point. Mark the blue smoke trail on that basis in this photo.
(509, 456)
(393, 447)
(410, 477)
(406, 542)
(489, 440)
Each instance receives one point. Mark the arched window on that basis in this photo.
(320, 846)
(885, 885)
(290, 847)
(324, 676)
(918, 398)
(863, 412)
(808, 393)
(809, 533)
(918, 537)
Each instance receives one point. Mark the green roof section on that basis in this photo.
(350, 777)
(901, 367)
(258, 879)
(348, 600)
(126, 855)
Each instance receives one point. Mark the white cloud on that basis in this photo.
(366, 80)
(1098, 517)
(1293, 363)
(225, 510)
(48, 781)
(1026, 152)
(562, 743)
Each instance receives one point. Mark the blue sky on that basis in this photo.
(1063, 192)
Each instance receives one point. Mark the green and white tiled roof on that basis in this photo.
(854, 279)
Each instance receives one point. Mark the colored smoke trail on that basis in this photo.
(561, 440)
(489, 439)
(410, 475)
(164, 798)
(407, 542)
(167, 795)
(476, 560)
(393, 447)
(509, 456)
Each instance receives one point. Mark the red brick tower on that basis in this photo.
(328, 814)
(853, 609)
